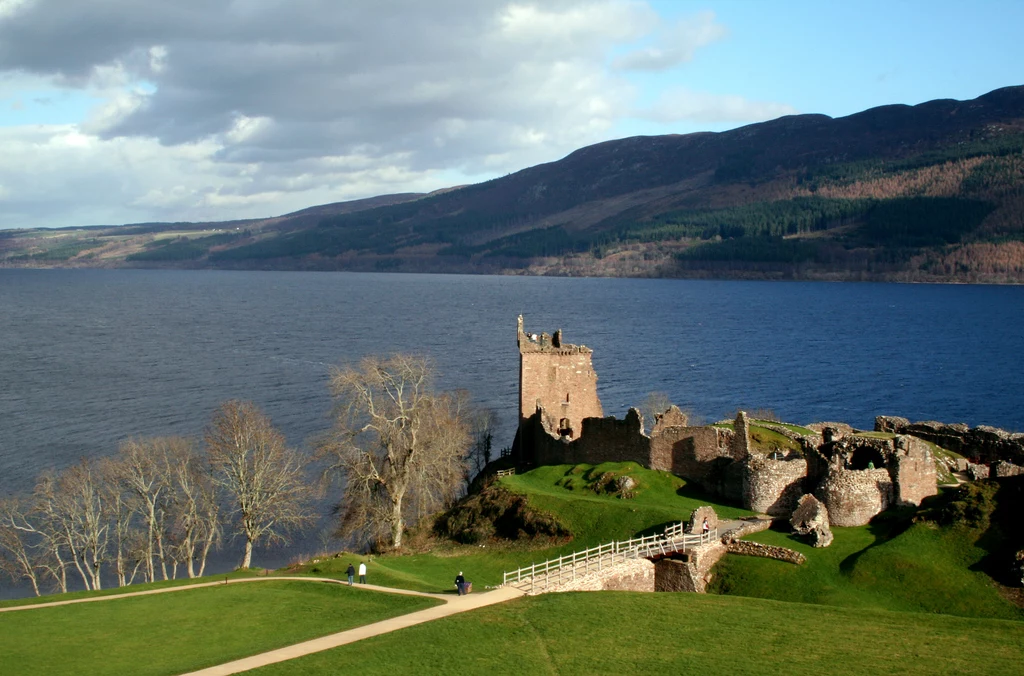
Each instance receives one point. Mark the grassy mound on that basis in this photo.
(497, 513)
(935, 564)
(624, 633)
(186, 630)
(592, 518)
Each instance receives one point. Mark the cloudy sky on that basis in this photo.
(119, 111)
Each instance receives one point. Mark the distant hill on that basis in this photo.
(933, 192)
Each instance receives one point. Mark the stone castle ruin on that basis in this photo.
(854, 475)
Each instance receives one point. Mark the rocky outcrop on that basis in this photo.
(810, 518)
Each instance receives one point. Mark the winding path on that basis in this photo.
(451, 606)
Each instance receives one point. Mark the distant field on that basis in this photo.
(186, 630)
(629, 633)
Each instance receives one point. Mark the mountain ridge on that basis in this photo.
(929, 192)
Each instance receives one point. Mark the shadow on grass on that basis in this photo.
(883, 527)
(694, 491)
(1003, 536)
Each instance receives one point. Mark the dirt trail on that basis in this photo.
(453, 605)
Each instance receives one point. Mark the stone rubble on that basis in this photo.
(810, 518)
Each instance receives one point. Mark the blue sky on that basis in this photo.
(135, 110)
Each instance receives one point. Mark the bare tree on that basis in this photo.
(74, 512)
(144, 471)
(17, 555)
(481, 424)
(264, 479)
(654, 404)
(196, 514)
(399, 445)
(130, 549)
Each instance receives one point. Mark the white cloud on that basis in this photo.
(675, 45)
(218, 109)
(679, 105)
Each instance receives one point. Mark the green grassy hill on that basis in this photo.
(623, 633)
(905, 594)
(186, 630)
(592, 518)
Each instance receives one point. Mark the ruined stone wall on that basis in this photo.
(988, 444)
(602, 440)
(689, 451)
(766, 551)
(773, 486)
(695, 524)
(741, 437)
(558, 378)
(912, 471)
(1003, 468)
(749, 526)
(692, 574)
(853, 497)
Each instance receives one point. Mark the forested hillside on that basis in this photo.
(933, 192)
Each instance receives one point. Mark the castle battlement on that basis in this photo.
(547, 343)
(557, 378)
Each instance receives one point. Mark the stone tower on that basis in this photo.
(559, 379)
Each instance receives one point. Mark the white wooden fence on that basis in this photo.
(540, 577)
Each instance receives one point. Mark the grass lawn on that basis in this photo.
(661, 498)
(113, 591)
(632, 633)
(186, 630)
(923, 569)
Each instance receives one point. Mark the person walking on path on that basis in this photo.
(362, 572)
(351, 572)
(460, 583)
(706, 528)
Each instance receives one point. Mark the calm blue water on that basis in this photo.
(89, 358)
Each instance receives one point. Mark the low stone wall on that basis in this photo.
(765, 551)
(746, 528)
(633, 575)
(1003, 468)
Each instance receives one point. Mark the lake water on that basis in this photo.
(91, 357)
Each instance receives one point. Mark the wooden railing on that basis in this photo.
(541, 577)
(506, 472)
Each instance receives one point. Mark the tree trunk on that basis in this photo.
(397, 523)
(247, 558)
